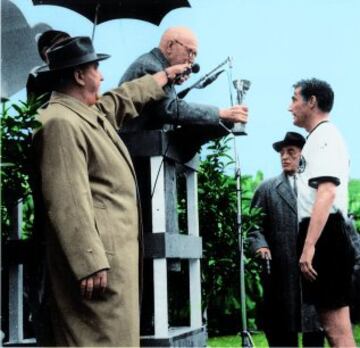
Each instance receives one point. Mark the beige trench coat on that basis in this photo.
(86, 189)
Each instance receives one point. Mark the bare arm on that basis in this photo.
(324, 200)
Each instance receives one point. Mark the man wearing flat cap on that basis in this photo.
(274, 240)
(86, 200)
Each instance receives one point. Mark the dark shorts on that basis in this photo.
(333, 263)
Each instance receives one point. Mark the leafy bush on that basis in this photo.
(354, 201)
(218, 228)
(17, 123)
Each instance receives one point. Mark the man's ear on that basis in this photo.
(312, 101)
(169, 46)
(79, 77)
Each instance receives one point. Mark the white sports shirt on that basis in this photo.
(324, 158)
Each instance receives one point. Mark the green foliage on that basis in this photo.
(354, 201)
(260, 340)
(218, 228)
(17, 123)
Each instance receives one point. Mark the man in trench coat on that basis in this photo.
(282, 313)
(86, 201)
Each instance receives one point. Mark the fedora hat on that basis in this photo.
(72, 52)
(291, 139)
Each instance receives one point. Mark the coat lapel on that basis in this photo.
(96, 119)
(286, 192)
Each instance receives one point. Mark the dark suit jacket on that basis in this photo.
(277, 230)
(168, 110)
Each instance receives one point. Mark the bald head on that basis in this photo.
(179, 45)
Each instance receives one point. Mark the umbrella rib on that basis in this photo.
(95, 20)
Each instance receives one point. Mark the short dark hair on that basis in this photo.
(320, 89)
(48, 39)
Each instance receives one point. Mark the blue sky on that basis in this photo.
(274, 43)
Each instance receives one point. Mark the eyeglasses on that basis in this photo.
(191, 53)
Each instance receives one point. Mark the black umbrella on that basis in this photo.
(99, 11)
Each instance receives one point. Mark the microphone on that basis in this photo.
(209, 79)
(202, 83)
(193, 69)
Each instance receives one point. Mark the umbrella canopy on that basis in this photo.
(19, 53)
(99, 11)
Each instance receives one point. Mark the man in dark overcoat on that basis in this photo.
(274, 238)
(87, 203)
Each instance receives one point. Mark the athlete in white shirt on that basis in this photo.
(322, 203)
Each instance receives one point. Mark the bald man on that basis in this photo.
(178, 45)
(199, 123)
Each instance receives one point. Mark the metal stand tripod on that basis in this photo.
(241, 87)
(246, 340)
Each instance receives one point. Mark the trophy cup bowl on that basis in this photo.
(241, 87)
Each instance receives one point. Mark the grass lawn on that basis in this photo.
(259, 340)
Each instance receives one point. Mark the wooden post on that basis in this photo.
(165, 247)
(160, 265)
(194, 264)
(16, 286)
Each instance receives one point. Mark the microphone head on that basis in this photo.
(195, 68)
(210, 79)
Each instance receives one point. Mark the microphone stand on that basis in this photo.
(197, 84)
(241, 86)
(246, 340)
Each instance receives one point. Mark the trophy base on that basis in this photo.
(238, 129)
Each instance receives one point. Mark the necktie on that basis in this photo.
(295, 186)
